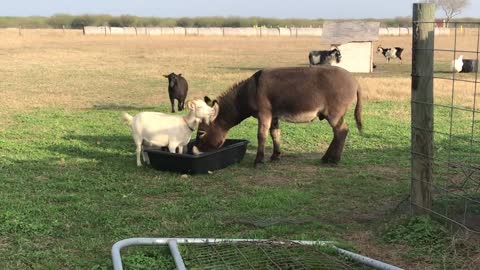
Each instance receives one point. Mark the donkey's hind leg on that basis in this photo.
(264, 122)
(275, 134)
(340, 132)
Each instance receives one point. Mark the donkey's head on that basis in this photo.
(210, 135)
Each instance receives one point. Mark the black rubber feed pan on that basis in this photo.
(231, 152)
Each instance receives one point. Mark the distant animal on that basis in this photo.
(164, 130)
(391, 53)
(457, 64)
(293, 94)
(324, 57)
(177, 89)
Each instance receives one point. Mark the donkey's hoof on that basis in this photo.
(257, 162)
(275, 157)
(329, 160)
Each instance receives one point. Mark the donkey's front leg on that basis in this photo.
(275, 134)
(264, 121)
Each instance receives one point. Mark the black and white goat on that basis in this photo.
(391, 53)
(325, 57)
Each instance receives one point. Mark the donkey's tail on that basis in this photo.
(358, 110)
(127, 118)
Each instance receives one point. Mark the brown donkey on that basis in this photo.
(297, 94)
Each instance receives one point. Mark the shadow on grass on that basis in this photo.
(99, 147)
(240, 68)
(114, 106)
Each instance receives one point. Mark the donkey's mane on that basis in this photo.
(229, 106)
(230, 93)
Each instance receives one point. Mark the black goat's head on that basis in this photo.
(172, 78)
(336, 55)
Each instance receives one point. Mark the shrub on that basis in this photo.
(81, 21)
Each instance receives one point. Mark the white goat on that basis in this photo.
(172, 131)
(457, 64)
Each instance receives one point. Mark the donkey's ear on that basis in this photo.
(208, 101)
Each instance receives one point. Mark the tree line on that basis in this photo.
(78, 21)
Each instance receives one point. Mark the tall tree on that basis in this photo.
(451, 8)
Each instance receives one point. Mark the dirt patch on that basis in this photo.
(265, 180)
(4, 243)
(389, 172)
(392, 254)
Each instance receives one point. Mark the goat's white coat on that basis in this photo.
(391, 53)
(164, 130)
(457, 64)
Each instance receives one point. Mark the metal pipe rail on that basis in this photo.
(172, 243)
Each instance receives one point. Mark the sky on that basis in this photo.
(308, 9)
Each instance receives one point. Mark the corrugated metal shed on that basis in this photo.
(351, 31)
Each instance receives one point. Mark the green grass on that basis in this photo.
(70, 188)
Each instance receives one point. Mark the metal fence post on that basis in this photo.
(422, 107)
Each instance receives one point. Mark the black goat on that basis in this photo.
(324, 57)
(177, 89)
(391, 53)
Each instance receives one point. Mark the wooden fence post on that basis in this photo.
(422, 107)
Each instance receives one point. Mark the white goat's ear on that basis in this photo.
(190, 105)
(216, 110)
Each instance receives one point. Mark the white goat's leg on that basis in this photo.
(139, 151)
(172, 148)
(145, 157)
(180, 149)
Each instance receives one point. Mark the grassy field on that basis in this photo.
(70, 188)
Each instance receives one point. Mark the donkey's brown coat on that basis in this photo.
(297, 94)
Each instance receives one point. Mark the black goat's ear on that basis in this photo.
(208, 101)
(166, 76)
(179, 75)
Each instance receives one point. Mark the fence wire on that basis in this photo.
(260, 255)
(455, 159)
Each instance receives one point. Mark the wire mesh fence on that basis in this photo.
(217, 253)
(259, 255)
(449, 159)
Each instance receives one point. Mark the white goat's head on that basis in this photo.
(202, 111)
